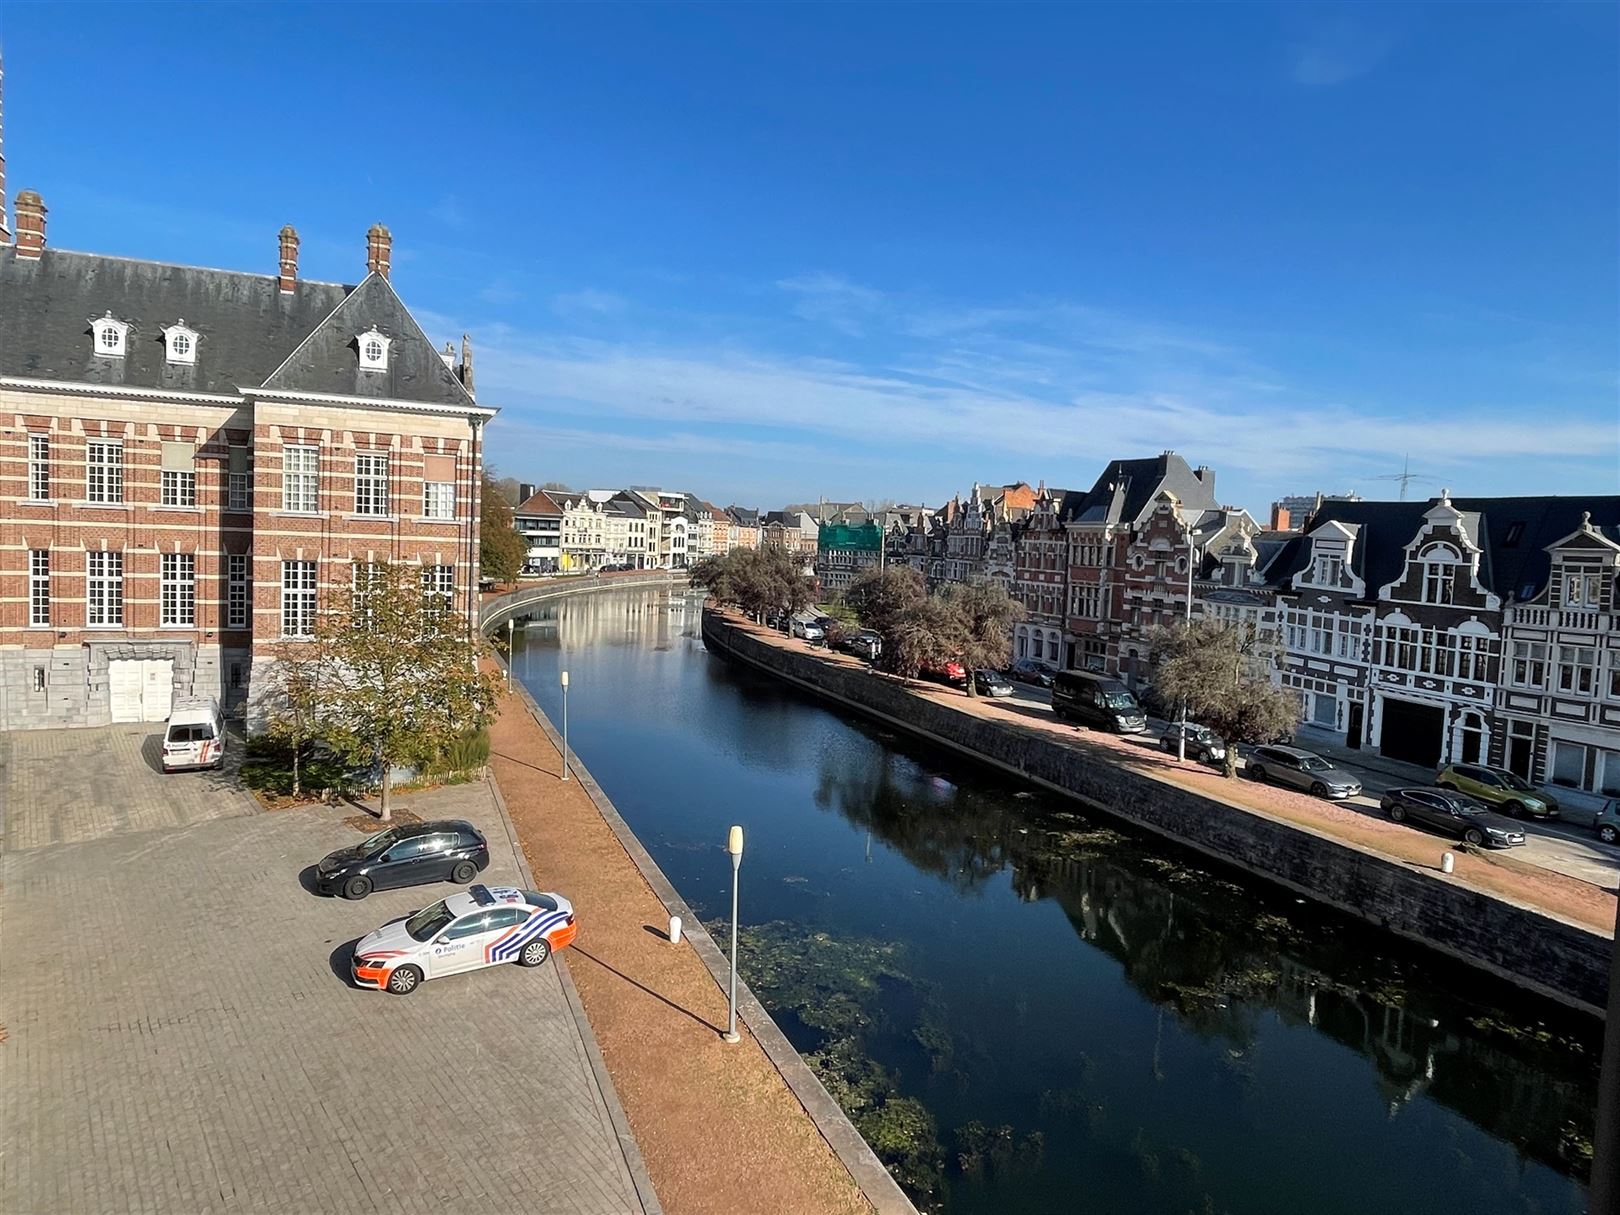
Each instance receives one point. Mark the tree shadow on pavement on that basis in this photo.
(643, 987)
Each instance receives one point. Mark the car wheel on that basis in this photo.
(1608, 834)
(357, 888)
(1474, 836)
(1516, 809)
(403, 980)
(535, 953)
(464, 872)
(1397, 814)
(1318, 789)
(1257, 773)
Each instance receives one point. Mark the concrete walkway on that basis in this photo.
(720, 1129)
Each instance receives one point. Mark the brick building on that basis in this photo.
(190, 458)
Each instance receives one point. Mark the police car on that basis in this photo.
(483, 927)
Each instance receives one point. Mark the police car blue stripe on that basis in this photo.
(538, 925)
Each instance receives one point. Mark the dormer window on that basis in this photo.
(109, 335)
(181, 343)
(373, 350)
(1329, 571)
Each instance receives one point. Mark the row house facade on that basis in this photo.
(538, 518)
(845, 551)
(1461, 630)
(1040, 576)
(190, 459)
(741, 528)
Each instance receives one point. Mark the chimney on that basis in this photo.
(525, 492)
(289, 258)
(30, 225)
(1280, 517)
(1205, 474)
(379, 250)
(448, 354)
(466, 364)
(5, 229)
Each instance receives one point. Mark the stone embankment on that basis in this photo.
(1469, 915)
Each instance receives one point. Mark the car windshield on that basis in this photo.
(376, 843)
(1465, 804)
(1120, 702)
(1201, 733)
(1515, 782)
(428, 922)
(1315, 763)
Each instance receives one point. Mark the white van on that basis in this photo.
(195, 737)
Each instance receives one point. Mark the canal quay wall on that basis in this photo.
(1564, 961)
(877, 1187)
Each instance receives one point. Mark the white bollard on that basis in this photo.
(674, 930)
(1447, 862)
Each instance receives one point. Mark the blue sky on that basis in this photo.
(770, 253)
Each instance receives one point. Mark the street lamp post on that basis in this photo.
(1181, 742)
(734, 845)
(509, 654)
(565, 724)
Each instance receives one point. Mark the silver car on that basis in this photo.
(1302, 770)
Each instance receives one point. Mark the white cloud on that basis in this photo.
(833, 300)
(588, 302)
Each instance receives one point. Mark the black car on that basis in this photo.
(408, 855)
(1453, 813)
(1027, 670)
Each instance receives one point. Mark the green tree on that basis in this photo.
(759, 581)
(985, 617)
(927, 634)
(400, 677)
(293, 700)
(501, 551)
(881, 597)
(1223, 673)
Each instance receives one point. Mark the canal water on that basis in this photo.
(1027, 1009)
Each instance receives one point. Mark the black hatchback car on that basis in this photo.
(449, 850)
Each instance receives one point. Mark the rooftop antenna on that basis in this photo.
(1406, 476)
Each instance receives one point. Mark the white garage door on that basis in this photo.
(140, 689)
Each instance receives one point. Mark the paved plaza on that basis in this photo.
(179, 1033)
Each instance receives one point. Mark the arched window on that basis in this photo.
(1440, 564)
(109, 336)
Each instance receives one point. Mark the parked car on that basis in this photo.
(991, 683)
(1500, 788)
(1303, 770)
(1203, 744)
(1096, 700)
(482, 927)
(1028, 670)
(1606, 822)
(448, 850)
(195, 735)
(809, 630)
(1451, 813)
(1153, 701)
(865, 645)
(952, 672)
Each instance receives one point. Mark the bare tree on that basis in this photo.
(1223, 673)
(985, 614)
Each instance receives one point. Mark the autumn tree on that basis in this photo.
(501, 551)
(400, 680)
(928, 634)
(759, 581)
(1223, 673)
(985, 616)
(880, 597)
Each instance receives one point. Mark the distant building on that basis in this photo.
(844, 551)
(1295, 512)
(539, 519)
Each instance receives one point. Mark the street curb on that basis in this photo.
(635, 1166)
(865, 1169)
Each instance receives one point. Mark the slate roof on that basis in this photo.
(1125, 488)
(744, 516)
(251, 333)
(1513, 532)
(247, 325)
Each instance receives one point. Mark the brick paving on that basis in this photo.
(180, 1035)
(69, 786)
(720, 1130)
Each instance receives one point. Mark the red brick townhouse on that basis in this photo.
(189, 458)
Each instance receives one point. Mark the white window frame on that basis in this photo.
(1612, 690)
(1577, 676)
(300, 589)
(238, 480)
(1439, 582)
(177, 589)
(180, 344)
(438, 499)
(236, 590)
(1528, 668)
(109, 337)
(1583, 589)
(301, 479)
(39, 587)
(373, 347)
(104, 588)
(177, 488)
(39, 468)
(439, 586)
(1328, 570)
(104, 471)
(371, 496)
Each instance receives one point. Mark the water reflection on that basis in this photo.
(1035, 1011)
